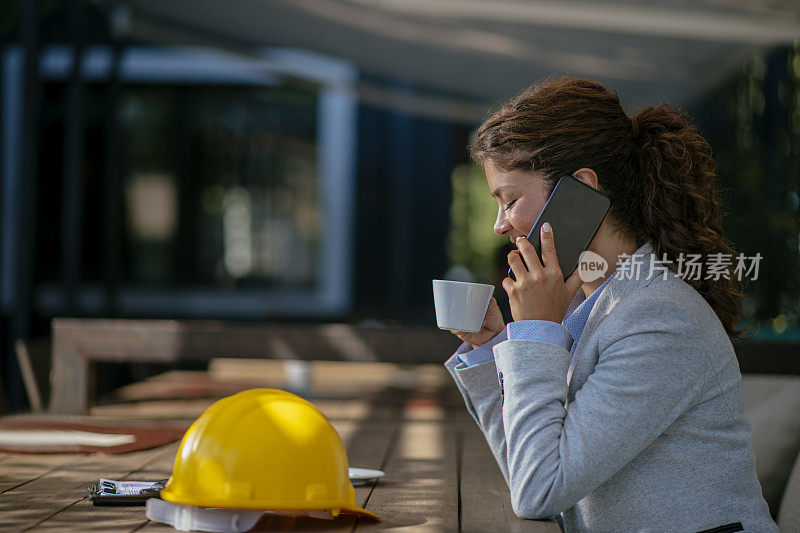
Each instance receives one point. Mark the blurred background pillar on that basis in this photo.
(74, 153)
(118, 15)
(22, 276)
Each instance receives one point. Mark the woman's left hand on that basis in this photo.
(540, 292)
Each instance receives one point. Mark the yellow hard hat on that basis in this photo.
(263, 449)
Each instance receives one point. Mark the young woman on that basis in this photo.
(616, 404)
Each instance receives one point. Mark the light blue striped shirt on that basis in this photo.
(565, 334)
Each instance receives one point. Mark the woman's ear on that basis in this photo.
(587, 176)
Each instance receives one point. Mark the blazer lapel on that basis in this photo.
(616, 290)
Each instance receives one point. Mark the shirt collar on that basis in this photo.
(581, 307)
(576, 319)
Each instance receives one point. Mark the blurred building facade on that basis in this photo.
(192, 180)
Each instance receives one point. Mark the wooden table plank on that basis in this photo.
(28, 504)
(390, 404)
(420, 491)
(119, 518)
(485, 498)
(24, 468)
(369, 445)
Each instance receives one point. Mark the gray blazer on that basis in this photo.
(640, 429)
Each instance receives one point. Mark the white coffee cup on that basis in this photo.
(461, 305)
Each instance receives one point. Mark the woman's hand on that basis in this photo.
(492, 325)
(540, 292)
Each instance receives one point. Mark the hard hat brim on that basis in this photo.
(265, 505)
(356, 510)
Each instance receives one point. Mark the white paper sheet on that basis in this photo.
(40, 438)
(124, 488)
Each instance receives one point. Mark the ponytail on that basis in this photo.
(679, 210)
(656, 168)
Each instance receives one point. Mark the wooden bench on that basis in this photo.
(79, 343)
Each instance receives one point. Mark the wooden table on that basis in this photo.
(408, 421)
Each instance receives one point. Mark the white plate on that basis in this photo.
(364, 474)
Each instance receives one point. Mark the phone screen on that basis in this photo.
(575, 211)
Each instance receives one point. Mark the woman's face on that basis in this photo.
(520, 197)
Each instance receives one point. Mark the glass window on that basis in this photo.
(238, 167)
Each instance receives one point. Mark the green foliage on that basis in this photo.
(757, 144)
(472, 241)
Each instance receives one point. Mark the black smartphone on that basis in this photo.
(575, 212)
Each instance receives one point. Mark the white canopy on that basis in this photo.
(472, 52)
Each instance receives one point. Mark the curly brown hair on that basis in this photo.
(656, 167)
